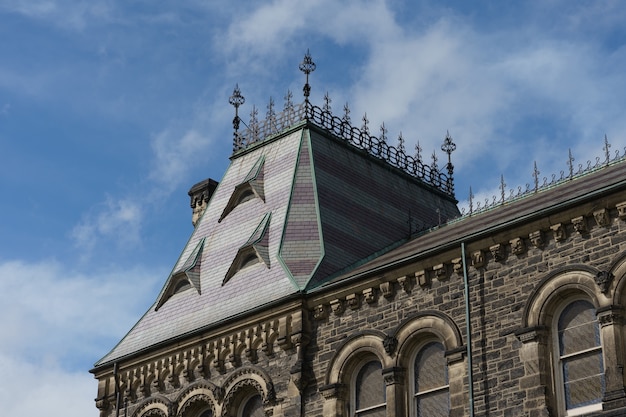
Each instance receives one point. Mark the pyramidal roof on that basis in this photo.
(306, 197)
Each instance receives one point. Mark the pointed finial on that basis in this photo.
(365, 128)
(383, 133)
(346, 113)
(607, 145)
(570, 164)
(288, 100)
(418, 152)
(327, 102)
(449, 147)
(536, 173)
(307, 66)
(236, 100)
(502, 188)
(471, 201)
(401, 143)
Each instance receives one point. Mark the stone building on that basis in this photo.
(332, 274)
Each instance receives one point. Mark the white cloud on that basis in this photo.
(58, 323)
(66, 14)
(116, 219)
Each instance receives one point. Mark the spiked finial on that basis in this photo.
(346, 114)
(236, 100)
(570, 164)
(449, 147)
(536, 173)
(327, 102)
(606, 148)
(307, 66)
(502, 188)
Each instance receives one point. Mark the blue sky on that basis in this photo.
(111, 110)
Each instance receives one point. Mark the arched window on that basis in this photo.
(207, 413)
(368, 391)
(578, 348)
(252, 407)
(430, 381)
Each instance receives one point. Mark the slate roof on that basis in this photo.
(308, 206)
(589, 189)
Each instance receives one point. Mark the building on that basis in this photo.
(332, 274)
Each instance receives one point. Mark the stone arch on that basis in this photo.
(197, 397)
(351, 352)
(558, 285)
(241, 383)
(426, 324)
(618, 284)
(154, 407)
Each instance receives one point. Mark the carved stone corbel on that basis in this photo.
(518, 247)
(369, 294)
(387, 289)
(337, 307)
(478, 259)
(536, 239)
(580, 224)
(422, 278)
(558, 230)
(441, 272)
(602, 217)
(497, 252)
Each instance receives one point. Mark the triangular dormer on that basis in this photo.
(254, 251)
(251, 187)
(188, 275)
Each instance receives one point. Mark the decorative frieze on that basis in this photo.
(497, 252)
(558, 231)
(422, 278)
(621, 210)
(386, 288)
(337, 307)
(441, 272)
(580, 225)
(536, 239)
(478, 259)
(353, 301)
(406, 283)
(602, 217)
(518, 247)
(369, 295)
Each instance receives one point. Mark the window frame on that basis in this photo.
(353, 412)
(559, 378)
(413, 394)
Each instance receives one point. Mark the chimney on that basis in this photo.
(200, 195)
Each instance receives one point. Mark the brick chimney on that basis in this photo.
(200, 195)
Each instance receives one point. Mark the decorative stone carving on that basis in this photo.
(441, 272)
(422, 278)
(390, 343)
(621, 210)
(518, 247)
(387, 289)
(558, 230)
(393, 375)
(580, 224)
(602, 217)
(337, 307)
(610, 316)
(320, 312)
(457, 266)
(497, 251)
(369, 294)
(353, 300)
(532, 334)
(478, 259)
(406, 283)
(333, 391)
(536, 239)
(603, 279)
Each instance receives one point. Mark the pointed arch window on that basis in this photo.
(369, 391)
(578, 347)
(430, 381)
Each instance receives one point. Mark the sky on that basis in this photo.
(111, 110)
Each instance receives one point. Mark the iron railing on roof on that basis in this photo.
(258, 131)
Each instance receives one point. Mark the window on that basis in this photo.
(253, 407)
(578, 348)
(430, 382)
(369, 391)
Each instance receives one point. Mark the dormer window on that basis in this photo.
(250, 188)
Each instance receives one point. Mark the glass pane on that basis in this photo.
(434, 404)
(377, 412)
(578, 328)
(584, 391)
(207, 413)
(583, 366)
(431, 369)
(370, 386)
(254, 407)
